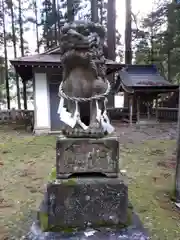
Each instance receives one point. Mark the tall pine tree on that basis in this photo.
(10, 7)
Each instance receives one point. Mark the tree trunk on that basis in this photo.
(37, 31)
(128, 43)
(177, 176)
(111, 41)
(21, 30)
(70, 10)
(58, 20)
(15, 52)
(94, 11)
(171, 32)
(111, 29)
(128, 34)
(5, 56)
(101, 11)
(22, 51)
(55, 22)
(152, 46)
(169, 63)
(48, 43)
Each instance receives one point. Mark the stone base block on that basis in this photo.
(83, 155)
(84, 202)
(134, 231)
(41, 131)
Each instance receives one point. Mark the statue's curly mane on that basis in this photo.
(82, 44)
(84, 71)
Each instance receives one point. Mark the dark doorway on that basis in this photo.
(54, 104)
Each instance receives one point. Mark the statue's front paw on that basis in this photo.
(96, 130)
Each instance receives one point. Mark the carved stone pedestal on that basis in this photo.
(87, 155)
(88, 199)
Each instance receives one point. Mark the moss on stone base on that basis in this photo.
(45, 227)
(43, 220)
(69, 182)
(52, 175)
(52, 178)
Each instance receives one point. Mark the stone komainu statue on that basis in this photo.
(84, 87)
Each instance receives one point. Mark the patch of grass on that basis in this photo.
(25, 164)
(150, 185)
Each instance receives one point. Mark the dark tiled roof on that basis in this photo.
(142, 76)
(51, 57)
(39, 58)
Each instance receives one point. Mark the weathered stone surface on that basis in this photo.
(83, 61)
(87, 155)
(82, 202)
(133, 232)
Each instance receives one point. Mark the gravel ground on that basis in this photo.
(135, 133)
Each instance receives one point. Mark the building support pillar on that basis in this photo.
(156, 105)
(131, 110)
(138, 109)
(148, 110)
